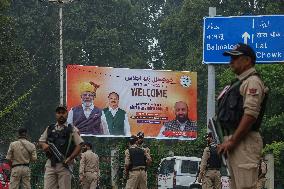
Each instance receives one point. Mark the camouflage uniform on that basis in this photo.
(89, 170)
(210, 178)
(261, 176)
(21, 153)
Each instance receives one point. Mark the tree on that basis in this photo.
(16, 69)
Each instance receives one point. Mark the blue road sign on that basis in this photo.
(265, 34)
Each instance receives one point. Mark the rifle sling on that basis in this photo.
(30, 153)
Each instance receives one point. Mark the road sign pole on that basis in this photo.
(211, 81)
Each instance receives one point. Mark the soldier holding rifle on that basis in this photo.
(209, 173)
(61, 142)
(239, 115)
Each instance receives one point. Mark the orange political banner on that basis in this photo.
(107, 102)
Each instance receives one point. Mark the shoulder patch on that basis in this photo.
(253, 91)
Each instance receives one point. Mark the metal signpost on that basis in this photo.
(211, 81)
(265, 34)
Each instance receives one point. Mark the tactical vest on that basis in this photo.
(214, 161)
(230, 108)
(61, 138)
(137, 157)
(116, 123)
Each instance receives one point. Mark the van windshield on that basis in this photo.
(188, 166)
(167, 166)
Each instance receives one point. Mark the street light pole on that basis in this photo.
(211, 82)
(61, 55)
(61, 66)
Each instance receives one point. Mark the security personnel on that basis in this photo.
(20, 154)
(262, 170)
(89, 171)
(67, 140)
(240, 111)
(136, 161)
(140, 142)
(209, 174)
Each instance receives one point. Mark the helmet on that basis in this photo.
(140, 135)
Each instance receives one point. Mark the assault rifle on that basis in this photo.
(218, 136)
(60, 157)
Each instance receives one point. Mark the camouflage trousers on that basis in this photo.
(261, 183)
(211, 180)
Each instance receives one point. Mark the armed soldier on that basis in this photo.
(66, 140)
(209, 174)
(136, 161)
(20, 154)
(240, 111)
(89, 171)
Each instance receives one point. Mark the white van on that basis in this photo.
(178, 172)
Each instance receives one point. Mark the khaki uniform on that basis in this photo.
(21, 153)
(58, 176)
(261, 176)
(137, 175)
(243, 160)
(89, 169)
(210, 178)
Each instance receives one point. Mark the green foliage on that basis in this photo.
(16, 70)
(4, 4)
(277, 149)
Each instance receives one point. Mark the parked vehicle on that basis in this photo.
(179, 172)
(5, 170)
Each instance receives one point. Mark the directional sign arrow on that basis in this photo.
(246, 36)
